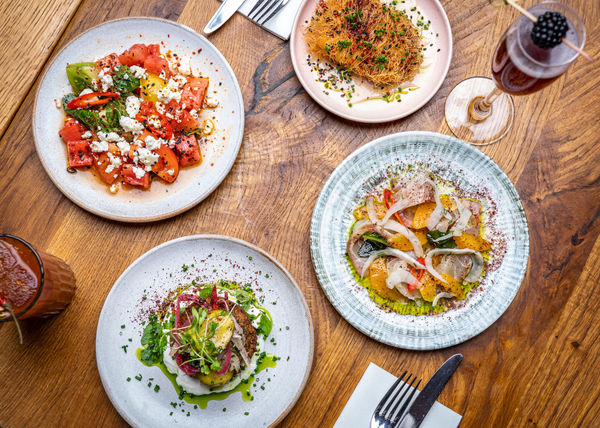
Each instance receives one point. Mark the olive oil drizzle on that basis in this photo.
(264, 362)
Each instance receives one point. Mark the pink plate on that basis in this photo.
(428, 81)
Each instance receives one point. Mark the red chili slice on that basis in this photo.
(418, 273)
(92, 99)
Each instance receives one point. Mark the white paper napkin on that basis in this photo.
(371, 388)
(280, 24)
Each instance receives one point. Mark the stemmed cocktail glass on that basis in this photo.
(480, 110)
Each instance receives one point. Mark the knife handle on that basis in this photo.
(407, 422)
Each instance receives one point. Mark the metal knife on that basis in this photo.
(225, 11)
(420, 407)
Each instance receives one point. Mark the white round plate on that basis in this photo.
(450, 159)
(161, 200)
(148, 280)
(429, 80)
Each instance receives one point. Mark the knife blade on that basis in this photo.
(424, 401)
(225, 11)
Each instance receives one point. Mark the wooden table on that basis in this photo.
(537, 365)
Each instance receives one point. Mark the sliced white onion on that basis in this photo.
(394, 226)
(400, 205)
(443, 237)
(463, 219)
(401, 275)
(442, 295)
(371, 209)
(360, 228)
(476, 268)
(389, 252)
(436, 215)
(403, 289)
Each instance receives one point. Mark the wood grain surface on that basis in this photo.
(29, 31)
(536, 366)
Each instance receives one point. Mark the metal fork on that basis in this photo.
(395, 402)
(264, 10)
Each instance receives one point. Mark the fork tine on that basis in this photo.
(280, 6)
(406, 403)
(256, 5)
(389, 392)
(266, 4)
(392, 404)
(269, 12)
(270, 4)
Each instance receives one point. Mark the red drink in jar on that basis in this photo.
(35, 283)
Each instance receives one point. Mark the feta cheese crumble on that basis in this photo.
(146, 157)
(132, 105)
(169, 92)
(110, 137)
(105, 79)
(211, 102)
(160, 107)
(85, 91)
(179, 80)
(99, 146)
(113, 137)
(86, 135)
(153, 143)
(131, 125)
(138, 72)
(208, 127)
(154, 122)
(115, 162)
(123, 146)
(185, 66)
(139, 172)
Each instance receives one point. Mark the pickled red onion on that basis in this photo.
(227, 361)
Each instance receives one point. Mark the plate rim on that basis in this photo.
(243, 243)
(314, 224)
(354, 118)
(149, 218)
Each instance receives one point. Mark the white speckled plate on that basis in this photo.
(159, 271)
(162, 200)
(448, 158)
(437, 58)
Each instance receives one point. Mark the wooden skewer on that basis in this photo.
(529, 15)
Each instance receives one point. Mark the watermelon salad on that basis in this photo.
(135, 117)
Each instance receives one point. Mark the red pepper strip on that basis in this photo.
(388, 199)
(418, 273)
(411, 287)
(92, 99)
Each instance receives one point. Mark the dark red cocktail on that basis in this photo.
(35, 283)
